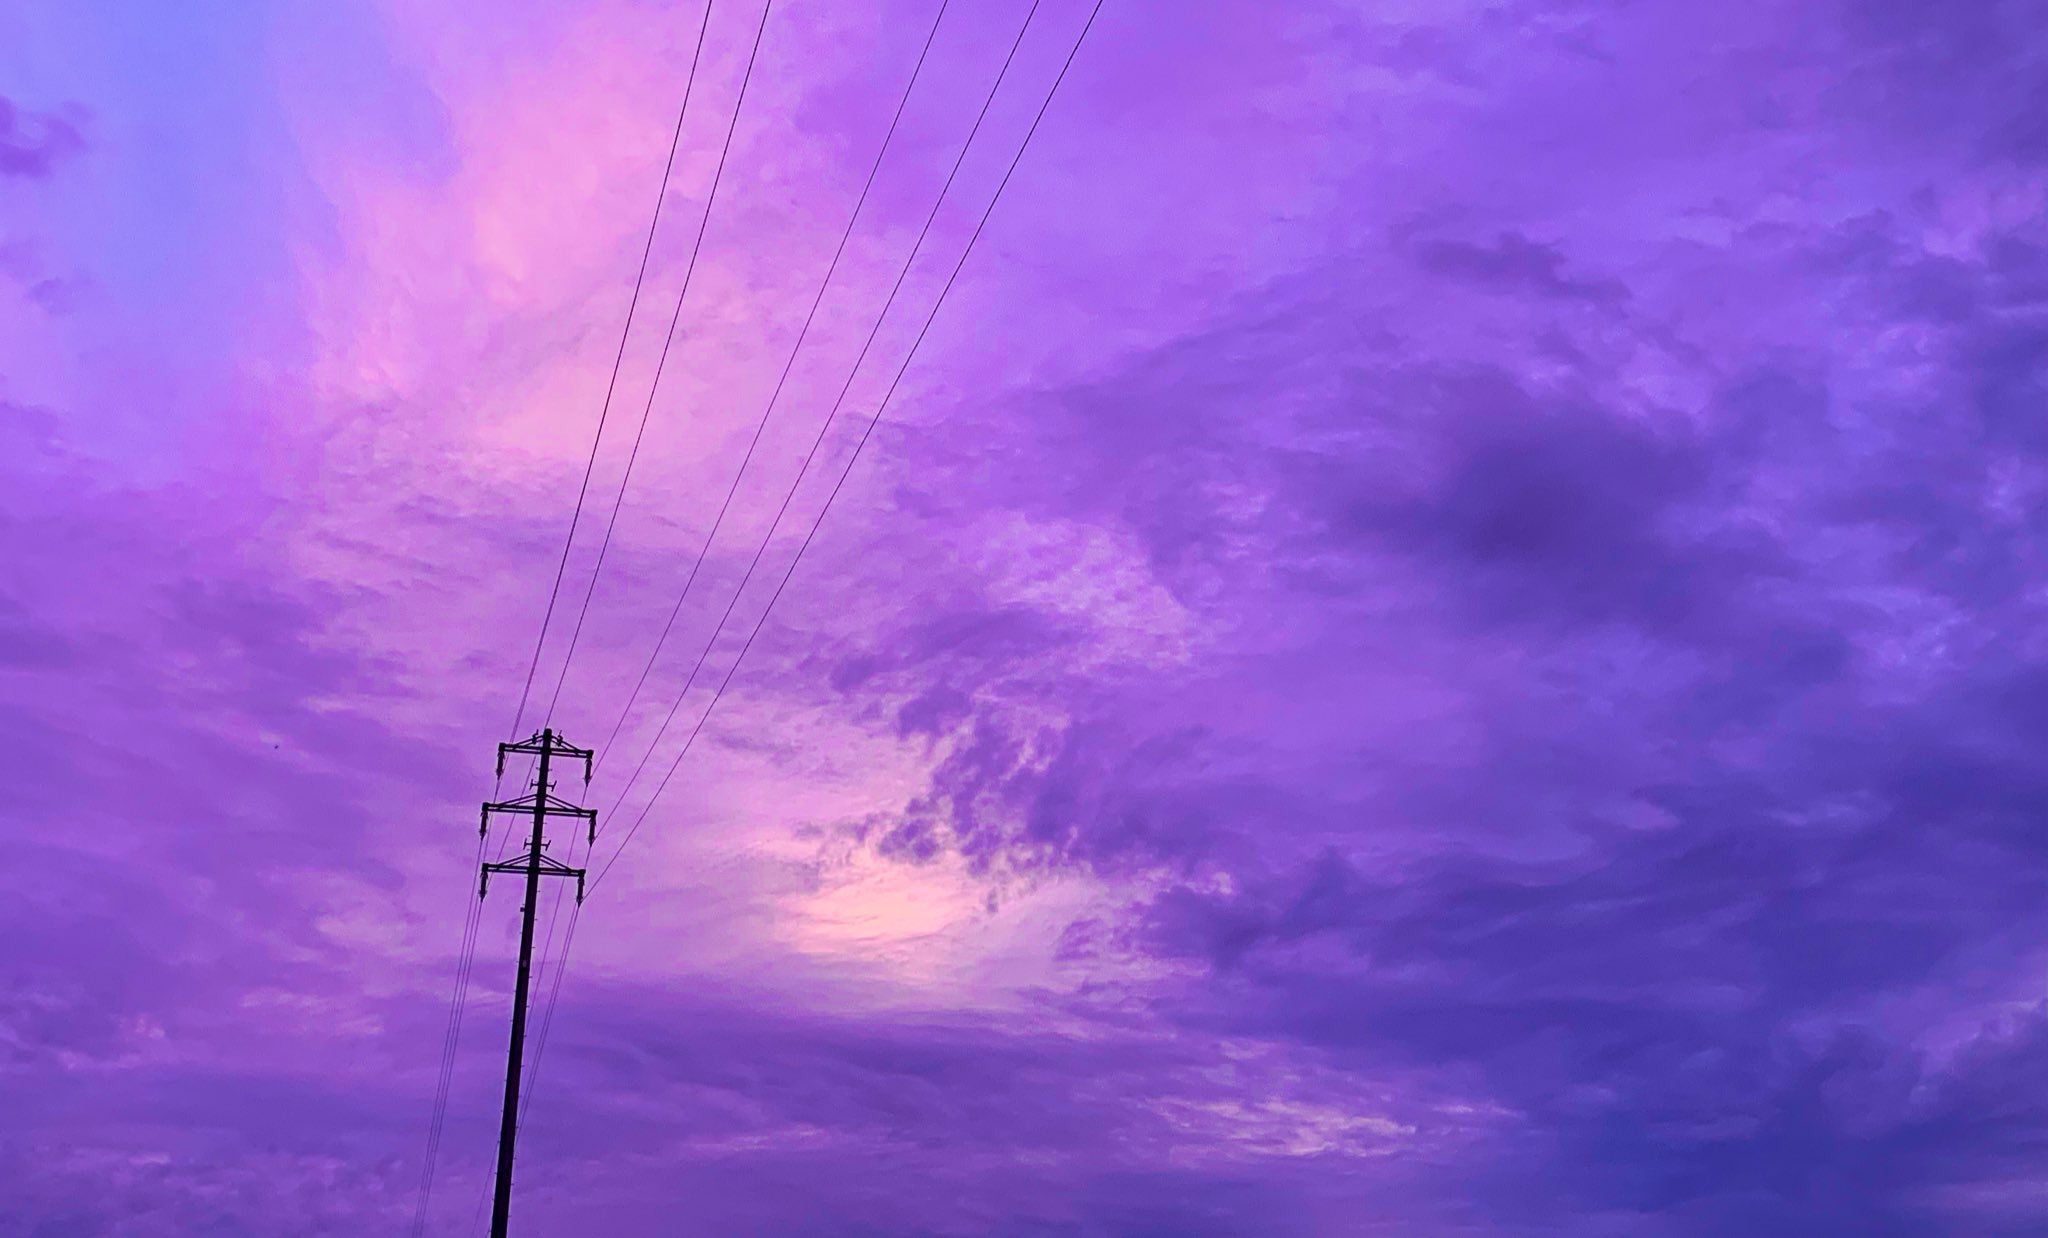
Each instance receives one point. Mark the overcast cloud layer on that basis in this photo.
(1442, 639)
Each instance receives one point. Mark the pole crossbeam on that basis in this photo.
(543, 742)
(546, 866)
(529, 805)
(533, 864)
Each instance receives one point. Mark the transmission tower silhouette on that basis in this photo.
(533, 864)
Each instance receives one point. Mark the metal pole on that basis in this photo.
(508, 1127)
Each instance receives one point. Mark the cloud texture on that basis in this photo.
(1441, 639)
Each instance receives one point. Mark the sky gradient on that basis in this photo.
(1441, 639)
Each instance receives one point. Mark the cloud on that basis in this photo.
(1527, 724)
(1972, 77)
(1513, 262)
(33, 144)
(1721, 888)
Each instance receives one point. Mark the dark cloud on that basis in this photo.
(976, 1125)
(1742, 843)
(1971, 75)
(34, 144)
(1692, 1010)
(1514, 263)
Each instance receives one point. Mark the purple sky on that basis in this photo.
(1442, 639)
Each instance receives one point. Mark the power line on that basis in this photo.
(845, 236)
(568, 941)
(547, 1018)
(895, 290)
(661, 362)
(880, 410)
(832, 268)
(457, 1001)
(618, 499)
(604, 412)
(831, 497)
(466, 955)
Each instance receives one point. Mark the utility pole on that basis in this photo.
(534, 864)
